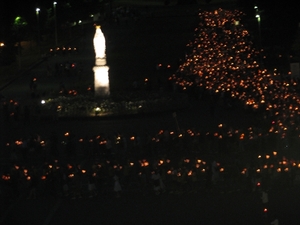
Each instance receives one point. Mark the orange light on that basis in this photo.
(187, 160)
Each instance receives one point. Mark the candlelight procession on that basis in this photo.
(221, 69)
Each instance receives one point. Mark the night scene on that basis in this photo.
(149, 112)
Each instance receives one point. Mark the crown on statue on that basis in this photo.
(98, 26)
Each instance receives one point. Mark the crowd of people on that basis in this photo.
(67, 165)
(223, 61)
(222, 64)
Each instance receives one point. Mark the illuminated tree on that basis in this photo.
(19, 29)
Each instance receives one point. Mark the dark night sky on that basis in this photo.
(10, 9)
(281, 13)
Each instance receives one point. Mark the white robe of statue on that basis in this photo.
(99, 43)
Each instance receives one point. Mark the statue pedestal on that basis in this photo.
(101, 81)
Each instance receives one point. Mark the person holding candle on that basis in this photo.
(117, 185)
(265, 201)
(92, 185)
(158, 184)
(33, 184)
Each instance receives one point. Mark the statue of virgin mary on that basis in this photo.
(99, 43)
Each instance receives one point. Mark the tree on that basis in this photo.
(19, 29)
(19, 33)
(49, 23)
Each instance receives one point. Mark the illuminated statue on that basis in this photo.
(99, 43)
(101, 78)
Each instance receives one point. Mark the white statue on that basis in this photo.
(101, 70)
(99, 43)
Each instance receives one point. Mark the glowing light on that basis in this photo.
(101, 80)
(101, 70)
(99, 43)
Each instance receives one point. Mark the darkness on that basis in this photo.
(279, 20)
(11, 9)
(280, 17)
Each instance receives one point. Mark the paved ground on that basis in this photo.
(134, 207)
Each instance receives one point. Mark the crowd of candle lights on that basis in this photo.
(175, 155)
(223, 62)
